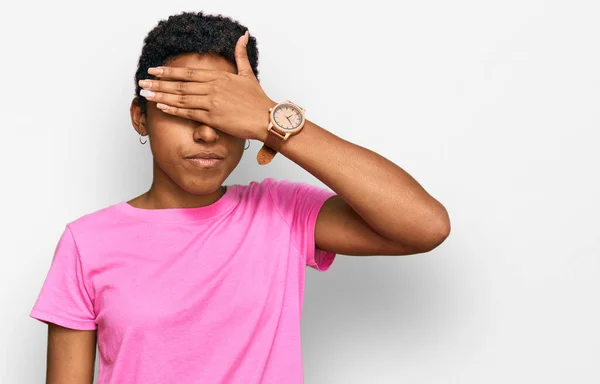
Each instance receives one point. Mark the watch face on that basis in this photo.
(287, 116)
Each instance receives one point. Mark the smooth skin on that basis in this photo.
(71, 355)
(203, 102)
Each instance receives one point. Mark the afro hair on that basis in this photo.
(191, 32)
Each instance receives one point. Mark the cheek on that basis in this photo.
(237, 149)
(234, 159)
(167, 144)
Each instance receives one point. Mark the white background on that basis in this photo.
(493, 106)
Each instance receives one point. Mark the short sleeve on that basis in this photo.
(299, 204)
(65, 298)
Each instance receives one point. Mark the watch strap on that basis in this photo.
(270, 147)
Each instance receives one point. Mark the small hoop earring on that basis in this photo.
(248, 144)
(142, 142)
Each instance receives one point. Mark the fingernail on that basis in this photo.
(162, 106)
(146, 93)
(155, 71)
(145, 83)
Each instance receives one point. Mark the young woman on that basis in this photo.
(199, 282)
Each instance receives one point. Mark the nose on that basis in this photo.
(205, 133)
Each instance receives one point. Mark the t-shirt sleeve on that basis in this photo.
(299, 204)
(65, 298)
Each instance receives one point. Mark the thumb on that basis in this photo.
(241, 57)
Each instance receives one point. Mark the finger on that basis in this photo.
(176, 87)
(192, 114)
(181, 101)
(241, 57)
(185, 74)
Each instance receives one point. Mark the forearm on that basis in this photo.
(387, 198)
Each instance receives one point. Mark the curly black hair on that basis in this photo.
(189, 32)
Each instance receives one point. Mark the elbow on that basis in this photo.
(436, 233)
(429, 234)
(442, 229)
(441, 234)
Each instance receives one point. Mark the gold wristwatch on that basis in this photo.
(286, 119)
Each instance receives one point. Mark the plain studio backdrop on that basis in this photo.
(493, 106)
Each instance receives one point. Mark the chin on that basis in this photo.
(199, 186)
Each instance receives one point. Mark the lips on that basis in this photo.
(205, 163)
(205, 155)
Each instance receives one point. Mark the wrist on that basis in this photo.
(265, 119)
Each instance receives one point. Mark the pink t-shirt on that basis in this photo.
(191, 295)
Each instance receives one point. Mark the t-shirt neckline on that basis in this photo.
(221, 206)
